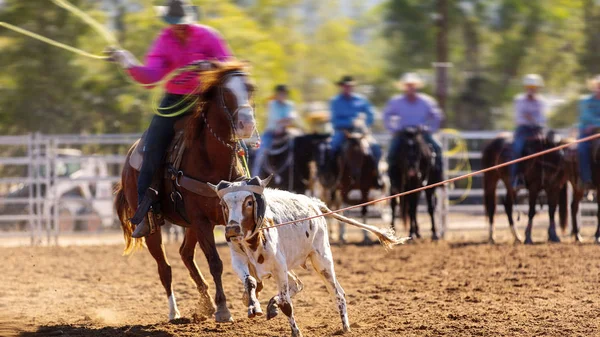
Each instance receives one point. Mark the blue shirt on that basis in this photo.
(589, 112)
(345, 110)
(278, 111)
(401, 112)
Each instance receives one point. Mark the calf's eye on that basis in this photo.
(250, 204)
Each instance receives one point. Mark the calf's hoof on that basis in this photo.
(254, 310)
(272, 309)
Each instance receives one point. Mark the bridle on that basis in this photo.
(232, 143)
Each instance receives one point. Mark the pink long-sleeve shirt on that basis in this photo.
(168, 53)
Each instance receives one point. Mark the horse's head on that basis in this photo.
(414, 152)
(354, 152)
(227, 86)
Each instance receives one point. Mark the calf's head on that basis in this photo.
(244, 206)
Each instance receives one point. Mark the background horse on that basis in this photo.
(545, 173)
(415, 169)
(222, 111)
(354, 169)
(288, 161)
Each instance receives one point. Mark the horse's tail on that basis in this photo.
(385, 236)
(563, 209)
(125, 213)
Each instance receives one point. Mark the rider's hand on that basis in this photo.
(122, 57)
(201, 65)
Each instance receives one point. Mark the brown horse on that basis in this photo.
(355, 170)
(541, 173)
(572, 170)
(222, 114)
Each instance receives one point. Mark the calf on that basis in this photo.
(259, 250)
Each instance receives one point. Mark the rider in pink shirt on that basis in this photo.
(178, 45)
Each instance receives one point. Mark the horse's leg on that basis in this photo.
(577, 196)
(414, 204)
(597, 235)
(337, 197)
(509, 203)
(393, 204)
(533, 195)
(364, 212)
(431, 203)
(206, 306)
(552, 203)
(206, 239)
(489, 194)
(157, 250)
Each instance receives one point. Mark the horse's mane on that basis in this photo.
(210, 80)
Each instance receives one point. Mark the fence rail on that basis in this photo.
(48, 199)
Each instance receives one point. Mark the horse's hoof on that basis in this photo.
(435, 237)
(492, 241)
(554, 239)
(528, 241)
(578, 238)
(597, 240)
(223, 316)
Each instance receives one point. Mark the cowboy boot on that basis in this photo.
(142, 229)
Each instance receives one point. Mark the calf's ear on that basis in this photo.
(266, 181)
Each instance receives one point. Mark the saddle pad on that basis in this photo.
(137, 156)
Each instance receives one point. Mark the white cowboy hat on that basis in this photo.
(533, 80)
(410, 78)
(593, 83)
(178, 12)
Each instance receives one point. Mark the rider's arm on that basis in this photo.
(369, 110)
(156, 65)
(388, 116)
(435, 115)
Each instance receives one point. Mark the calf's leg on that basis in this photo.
(323, 265)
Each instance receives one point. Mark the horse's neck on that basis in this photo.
(208, 158)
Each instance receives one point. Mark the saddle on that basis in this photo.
(173, 156)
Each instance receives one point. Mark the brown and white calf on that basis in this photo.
(259, 250)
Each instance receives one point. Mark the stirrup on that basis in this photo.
(144, 206)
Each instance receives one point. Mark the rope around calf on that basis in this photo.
(441, 183)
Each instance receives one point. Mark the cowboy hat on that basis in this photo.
(282, 88)
(178, 12)
(533, 80)
(347, 80)
(593, 83)
(410, 78)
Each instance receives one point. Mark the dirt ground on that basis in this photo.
(458, 287)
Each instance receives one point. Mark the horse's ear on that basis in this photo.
(266, 181)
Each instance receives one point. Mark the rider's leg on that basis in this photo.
(518, 146)
(336, 142)
(585, 163)
(158, 137)
(265, 144)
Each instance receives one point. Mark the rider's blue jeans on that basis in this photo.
(338, 140)
(585, 159)
(522, 133)
(265, 143)
(158, 138)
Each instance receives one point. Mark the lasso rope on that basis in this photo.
(464, 163)
(113, 43)
(492, 168)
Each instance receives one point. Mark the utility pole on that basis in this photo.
(441, 65)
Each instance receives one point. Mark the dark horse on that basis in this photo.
(415, 169)
(210, 156)
(288, 160)
(353, 169)
(545, 173)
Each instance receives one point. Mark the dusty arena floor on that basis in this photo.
(460, 287)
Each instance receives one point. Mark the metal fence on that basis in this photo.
(56, 184)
